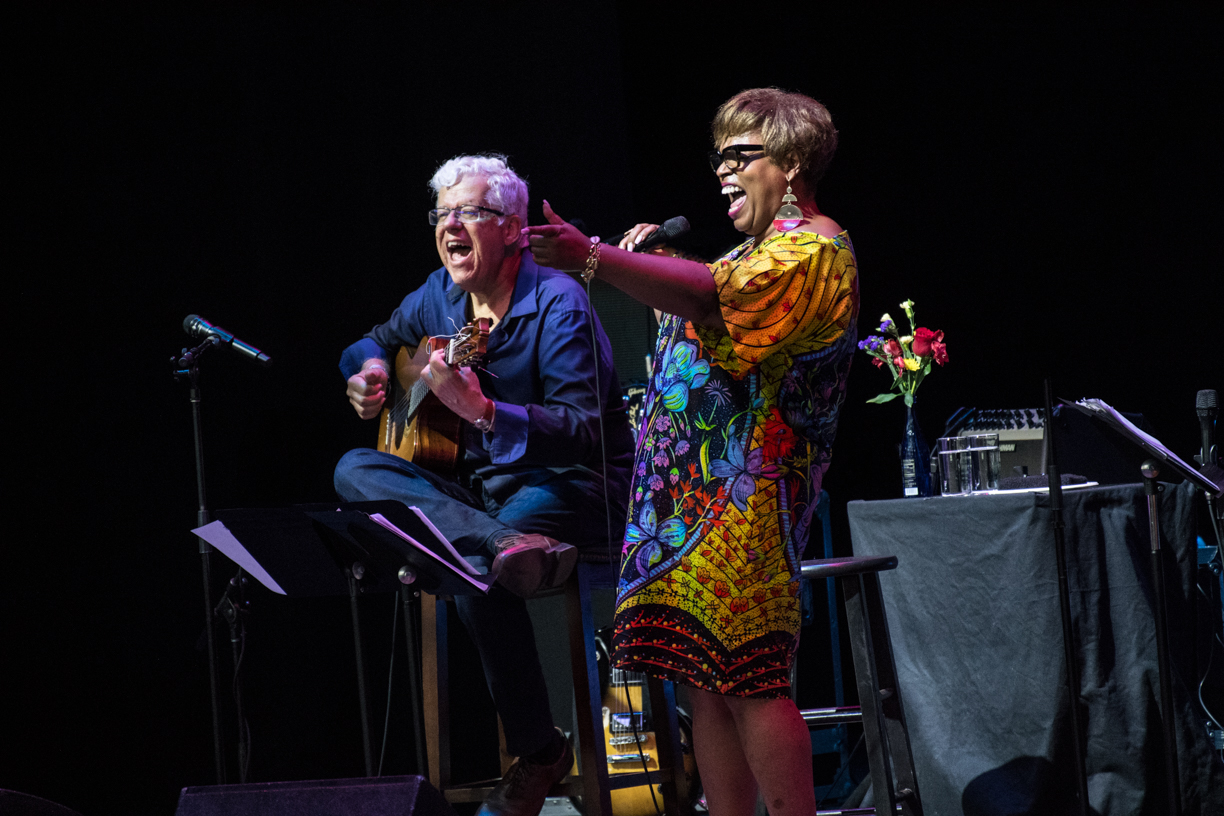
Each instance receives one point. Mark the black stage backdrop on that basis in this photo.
(1044, 182)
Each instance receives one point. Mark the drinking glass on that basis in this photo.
(984, 462)
(954, 465)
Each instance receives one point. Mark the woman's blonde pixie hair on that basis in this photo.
(794, 128)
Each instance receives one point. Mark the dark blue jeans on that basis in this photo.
(567, 505)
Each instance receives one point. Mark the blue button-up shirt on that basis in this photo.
(551, 388)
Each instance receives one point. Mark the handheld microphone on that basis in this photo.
(669, 229)
(197, 326)
(1207, 408)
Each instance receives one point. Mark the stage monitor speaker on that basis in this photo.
(23, 804)
(383, 796)
(631, 330)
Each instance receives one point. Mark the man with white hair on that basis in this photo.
(543, 423)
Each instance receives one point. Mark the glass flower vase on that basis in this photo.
(915, 459)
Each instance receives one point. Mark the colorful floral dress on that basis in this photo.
(735, 439)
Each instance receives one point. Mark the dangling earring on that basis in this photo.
(789, 216)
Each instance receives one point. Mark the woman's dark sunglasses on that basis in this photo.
(731, 155)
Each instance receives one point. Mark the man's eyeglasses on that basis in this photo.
(733, 156)
(468, 214)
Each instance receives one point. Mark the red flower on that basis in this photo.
(929, 343)
(893, 349)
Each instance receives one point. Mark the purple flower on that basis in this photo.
(682, 447)
(742, 471)
(662, 423)
(661, 459)
(653, 540)
(656, 482)
(719, 392)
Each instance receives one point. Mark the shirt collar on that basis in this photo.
(523, 301)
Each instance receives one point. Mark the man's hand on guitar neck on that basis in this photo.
(367, 389)
(457, 388)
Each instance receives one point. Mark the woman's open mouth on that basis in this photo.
(738, 197)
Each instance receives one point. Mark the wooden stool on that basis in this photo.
(880, 711)
(593, 781)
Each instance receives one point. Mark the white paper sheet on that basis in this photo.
(218, 535)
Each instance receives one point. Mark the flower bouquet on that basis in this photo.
(908, 357)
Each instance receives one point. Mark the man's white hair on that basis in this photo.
(507, 192)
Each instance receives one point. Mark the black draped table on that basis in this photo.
(974, 613)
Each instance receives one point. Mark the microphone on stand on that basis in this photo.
(197, 326)
(669, 229)
(1207, 409)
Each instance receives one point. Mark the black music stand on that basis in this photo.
(1151, 469)
(338, 548)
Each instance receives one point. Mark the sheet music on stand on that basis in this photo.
(304, 549)
(1099, 409)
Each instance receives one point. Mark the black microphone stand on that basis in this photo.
(188, 368)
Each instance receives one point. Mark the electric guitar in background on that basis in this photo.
(631, 748)
(415, 425)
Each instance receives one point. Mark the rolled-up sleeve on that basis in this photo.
(356, 354)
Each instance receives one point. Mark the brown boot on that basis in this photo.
(530, 563)
(523, 789)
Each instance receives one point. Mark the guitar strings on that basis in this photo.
(402, 411)
(408, 403)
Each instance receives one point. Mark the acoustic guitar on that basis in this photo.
(415, 425)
